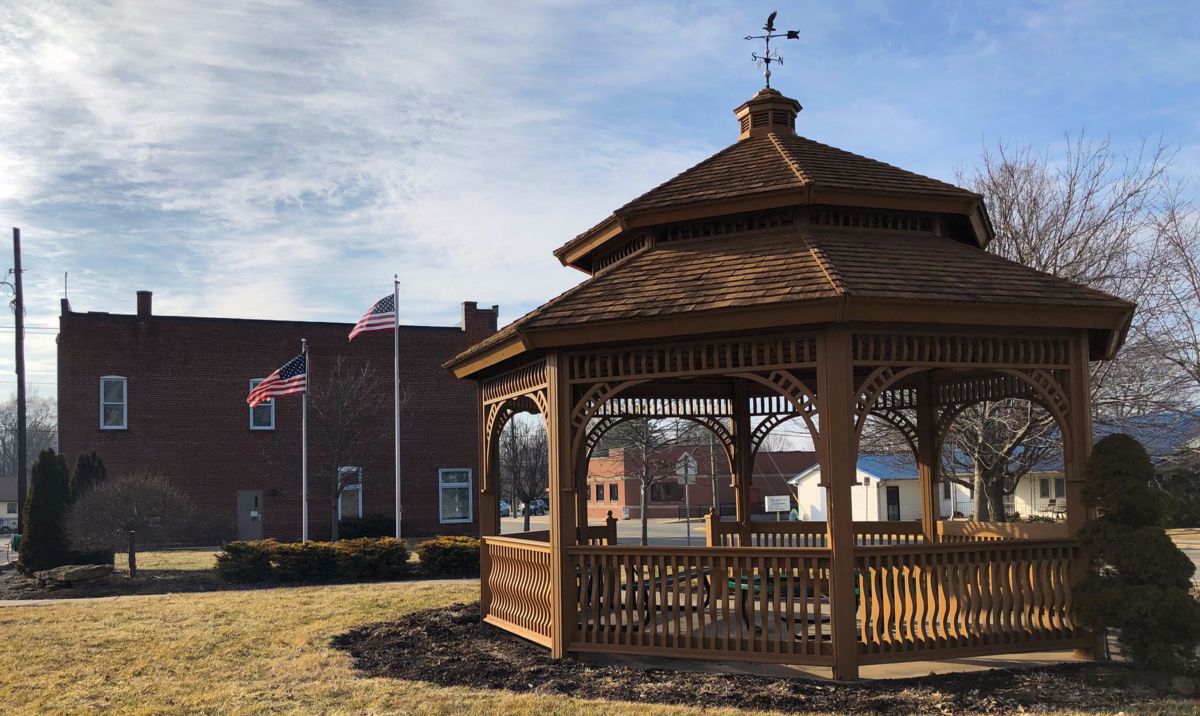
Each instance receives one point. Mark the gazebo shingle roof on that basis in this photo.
(773, 162)
(796, 265)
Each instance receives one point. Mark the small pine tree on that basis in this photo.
(1139, 582)
(89, 473)
(43, 543)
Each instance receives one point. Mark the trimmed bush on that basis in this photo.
(304, 562)
(1139, 581)
(348, 560)
(371, 558)
(367, 526)
(450, 556)
(245, 562)
(43, 542)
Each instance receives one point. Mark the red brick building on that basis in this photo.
(613, 485)
(167, 394)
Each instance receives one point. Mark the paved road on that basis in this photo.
(660, 531)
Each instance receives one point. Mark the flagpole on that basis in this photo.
(396, 394)
(304, 442)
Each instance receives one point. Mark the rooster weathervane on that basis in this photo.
(768, 56)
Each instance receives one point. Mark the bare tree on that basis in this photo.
(643, 442)
(524, 462)
(118, 514)
(348, 412)
(1173, 332)
(1087, 216)
(41, 430)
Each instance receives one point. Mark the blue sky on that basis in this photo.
(283, 159)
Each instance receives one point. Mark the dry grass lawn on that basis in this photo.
(240, 652)
(188, 560)
(244, 652)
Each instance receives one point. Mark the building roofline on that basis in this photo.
(104, 315)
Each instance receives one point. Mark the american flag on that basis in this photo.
(291, 379)
(381, 318)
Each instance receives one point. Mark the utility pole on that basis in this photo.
(19, 313)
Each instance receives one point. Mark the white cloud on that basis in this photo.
(282, 159)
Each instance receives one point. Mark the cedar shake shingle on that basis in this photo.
(777, 162)
(796, 265)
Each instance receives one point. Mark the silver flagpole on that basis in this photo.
(396, 393)
(304, 443)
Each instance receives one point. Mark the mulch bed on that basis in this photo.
(450, 647)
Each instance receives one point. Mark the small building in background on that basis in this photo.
(8, 504)
(167, 394)
(887, 484)
(614, 485)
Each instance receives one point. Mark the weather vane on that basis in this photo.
(768, 56)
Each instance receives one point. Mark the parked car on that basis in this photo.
(533, 508)
(539, 506)
(505, 509)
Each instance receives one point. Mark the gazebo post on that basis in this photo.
(927, 458)
(562, 505)
(743, 460)
(1079, 433)
(835, 450)
(489, 507)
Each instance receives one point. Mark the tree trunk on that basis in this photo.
(995, 489)
(980, 499)
(645, 515)
(526, 513)
(333, 532)
(132, 554)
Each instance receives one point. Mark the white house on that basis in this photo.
(887, 489)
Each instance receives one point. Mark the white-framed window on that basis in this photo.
(1060, 487)
(350, 498)
(114, 403)
(947, 490)
(262, 416)
(11, 508)
(455, 500)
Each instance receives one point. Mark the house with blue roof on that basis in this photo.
(887, 486)
(886, 489)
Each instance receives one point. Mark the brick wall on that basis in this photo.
(188, 420)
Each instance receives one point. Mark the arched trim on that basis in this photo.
(804, 401)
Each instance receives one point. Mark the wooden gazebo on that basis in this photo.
(782, 278)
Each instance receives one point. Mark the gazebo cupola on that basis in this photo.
(784, 279)
(767, 112)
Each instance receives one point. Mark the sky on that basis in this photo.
(283, 159)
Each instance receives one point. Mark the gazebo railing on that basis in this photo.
(972, 531)
(932, 601)
(750, 604)
(810, 533)
(518, 581)
(992, 595)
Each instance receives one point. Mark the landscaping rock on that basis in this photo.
(1183, 685)
(69, 574)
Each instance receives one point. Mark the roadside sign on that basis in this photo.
(778, 503)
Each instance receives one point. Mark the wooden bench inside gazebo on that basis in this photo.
(784, 279)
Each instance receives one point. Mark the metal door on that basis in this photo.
(893, 503)
(250, 514)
